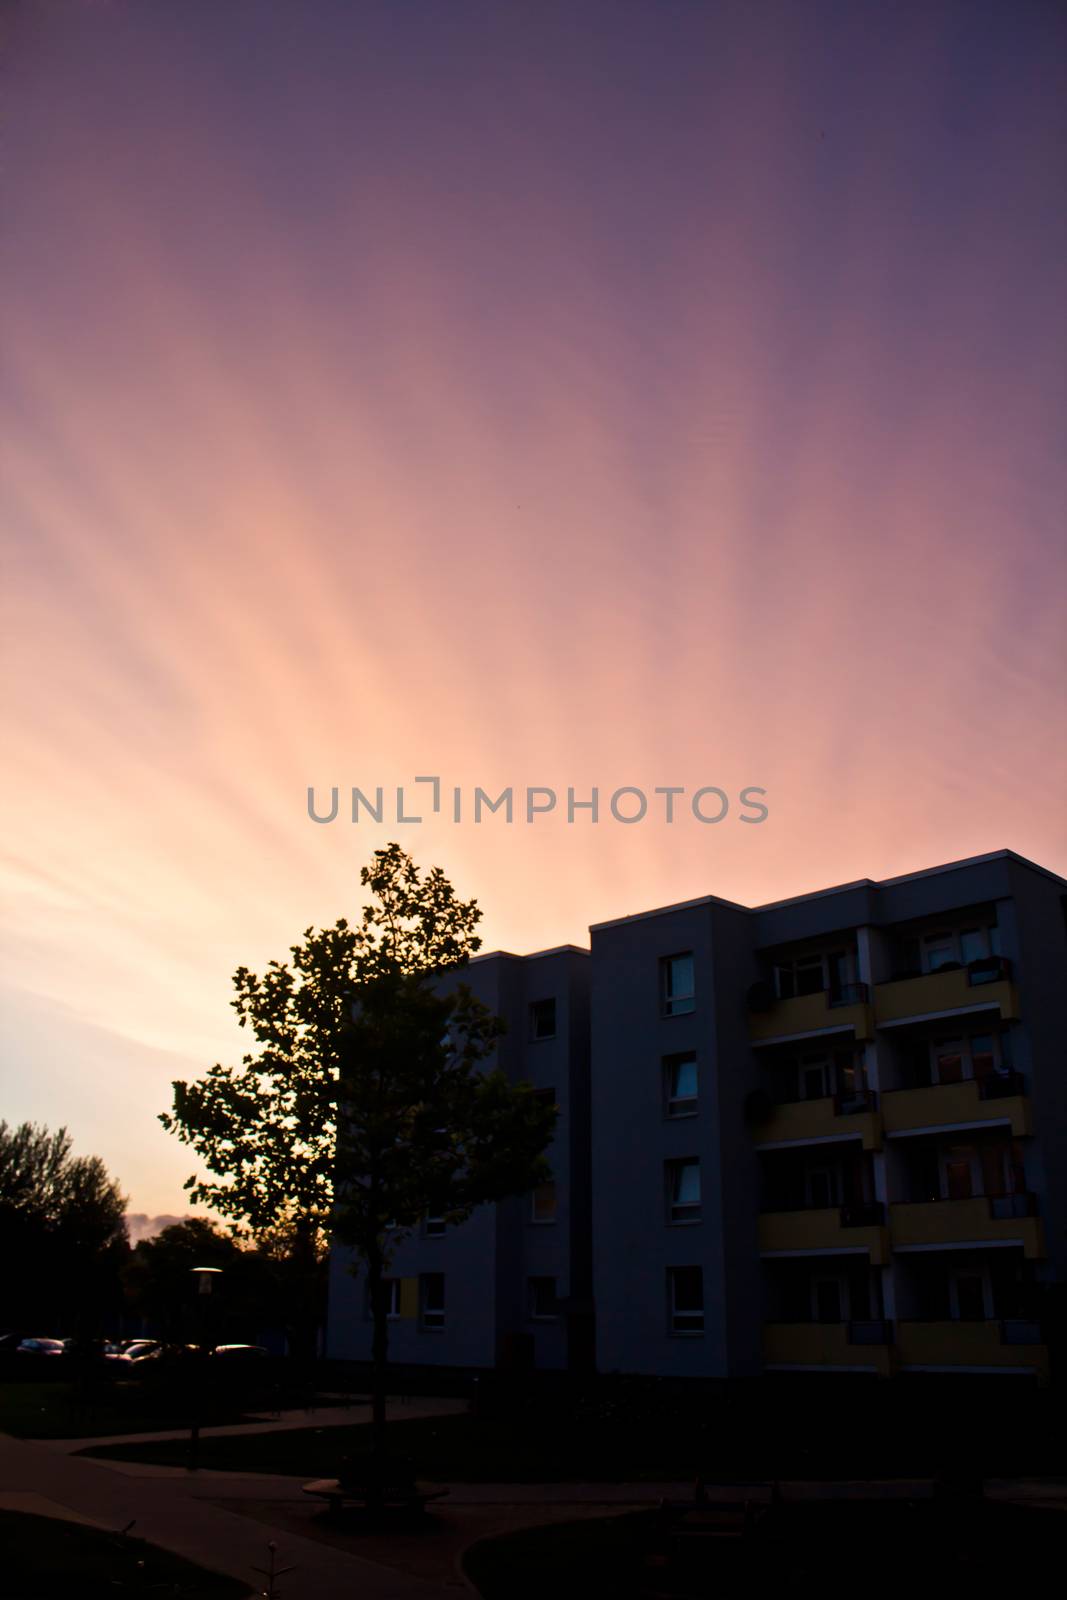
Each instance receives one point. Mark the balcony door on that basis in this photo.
(970, 1294)
(829, 1297)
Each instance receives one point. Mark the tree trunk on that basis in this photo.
(379, 1359)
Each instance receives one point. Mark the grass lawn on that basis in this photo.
(762, 1434)
(59, 1411)
(971, 1548)
(46, 1559)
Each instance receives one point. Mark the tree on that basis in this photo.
(160, 1286)
(62, 1230)
(366, 1106)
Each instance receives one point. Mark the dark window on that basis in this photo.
(543, 1019)
(542, 1299)
(677, 990)
(433, 1227)
(680, 1084)
(432, 1293)
(683, 1190)
(685, 1297)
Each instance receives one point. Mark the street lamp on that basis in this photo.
(205, 1284)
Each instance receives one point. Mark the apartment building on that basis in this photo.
(841, 1122)
(512, 1286)
(825, 1134)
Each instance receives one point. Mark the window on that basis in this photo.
(677, 990)
(981, 1056)
(433, 1227)
(685, 1299)
(683, 1190)
(974, 944)
(820, 1188)
(432, 1298)
(541, 1298)
(814, 1077)
(680, 1084)
(969, 1296)
(938, 950)
(948, 1060)
(804, 975)
(828, 1299)
(543, 1019)
(543, 1203)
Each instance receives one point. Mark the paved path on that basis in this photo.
(313, 1417)
(177, 1516)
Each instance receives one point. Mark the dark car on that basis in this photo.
(42, 1347)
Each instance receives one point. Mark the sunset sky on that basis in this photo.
(634, 393)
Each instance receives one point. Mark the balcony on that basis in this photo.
(829, 1346)
(982, 986)
(821, 1121)
(972, 1103)
(982, 1220)
(983, 1346)
(830, 1230)
(773, 1021)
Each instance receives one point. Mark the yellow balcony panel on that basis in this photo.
(811, 1121)
(953, 1105)
(822, 1344)
(809, 1014)
(944, 1345)
(816, 1232)
(942, 994)
(947, 1223)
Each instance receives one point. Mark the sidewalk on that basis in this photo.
(312, 1417)
(171, 1512)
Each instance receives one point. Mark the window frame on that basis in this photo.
(536, 1037)
(426, 1311)
(683, 1213)
(532, 1313)
(678, 1106)
(670, 1004)
(687, 1329)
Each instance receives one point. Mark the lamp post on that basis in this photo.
(205, 1284)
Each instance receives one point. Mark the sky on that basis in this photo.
(642, 393)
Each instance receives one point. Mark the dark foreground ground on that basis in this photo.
(925, 1548)
(632, 1430)
(45, 1559)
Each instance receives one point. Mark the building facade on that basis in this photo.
(825, 1134)
(511, 1287)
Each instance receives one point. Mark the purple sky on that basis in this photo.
(566, 394)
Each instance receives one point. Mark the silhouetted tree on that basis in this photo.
(62, 1232)
(367, 1107)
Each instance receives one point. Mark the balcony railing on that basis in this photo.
(971, 1101)
(941, 1346)
(1001, 1085)
(981, 1219)
(771, 1018)
(1020, 1330)
(983, 985)
(869, 1214)
(870, 1331)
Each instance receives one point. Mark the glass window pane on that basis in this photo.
(684, 1079)
(687, 1183)
(974, 944)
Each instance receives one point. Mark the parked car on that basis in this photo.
(236, 1351)
(136, 1350)
(42, 1347)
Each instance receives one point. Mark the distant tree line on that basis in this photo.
(69, 1270)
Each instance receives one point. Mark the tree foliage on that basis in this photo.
(62, 1230)
(365, 1105)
